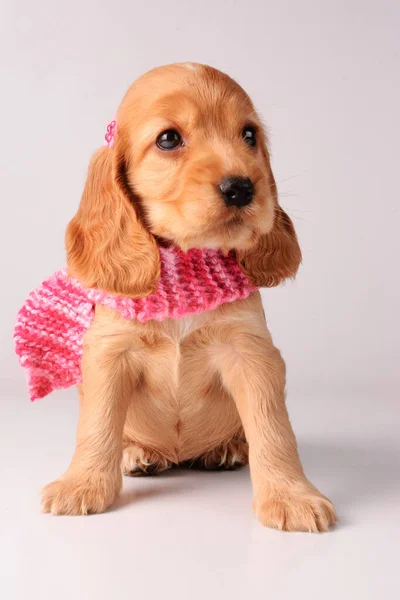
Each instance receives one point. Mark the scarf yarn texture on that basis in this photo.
(56, 315)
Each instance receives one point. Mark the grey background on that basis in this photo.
(325, 77)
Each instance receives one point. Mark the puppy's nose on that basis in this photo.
(237, 191)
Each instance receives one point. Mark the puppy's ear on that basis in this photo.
(277, 255)
(108, 247)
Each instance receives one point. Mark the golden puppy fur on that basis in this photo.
(205, 390)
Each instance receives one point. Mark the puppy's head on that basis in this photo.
(189, 166)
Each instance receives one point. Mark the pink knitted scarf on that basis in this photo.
(54, 318)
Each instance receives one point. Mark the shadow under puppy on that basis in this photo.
(188, 167)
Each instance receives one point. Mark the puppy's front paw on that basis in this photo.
(295, 510)
(77, 496)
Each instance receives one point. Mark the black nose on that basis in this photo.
(237, 191)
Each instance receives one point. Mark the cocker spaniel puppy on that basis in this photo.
(187, 168)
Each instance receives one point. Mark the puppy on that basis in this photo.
(190, 168)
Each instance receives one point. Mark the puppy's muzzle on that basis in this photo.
(237, 191)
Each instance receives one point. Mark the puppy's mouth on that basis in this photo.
(240, 216)
(234, 218)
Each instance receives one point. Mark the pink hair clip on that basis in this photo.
(110, 134)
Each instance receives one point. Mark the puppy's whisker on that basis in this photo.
(289, 178)
(300, 210)
(299, 218)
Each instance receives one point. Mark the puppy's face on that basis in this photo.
(189, 166)
(195, 158)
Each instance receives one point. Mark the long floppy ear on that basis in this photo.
(277, 255)
(107, 245)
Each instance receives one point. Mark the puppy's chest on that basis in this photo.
(178, 349)
(185, 326)
(181, 329)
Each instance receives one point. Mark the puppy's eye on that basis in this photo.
(249, 135)
(169, 140)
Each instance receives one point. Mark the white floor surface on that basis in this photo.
(191, 535)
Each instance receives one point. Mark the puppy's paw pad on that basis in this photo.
(75, 497)
(292, 511)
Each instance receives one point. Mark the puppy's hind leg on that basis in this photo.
(139, 461)
(227, 456)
